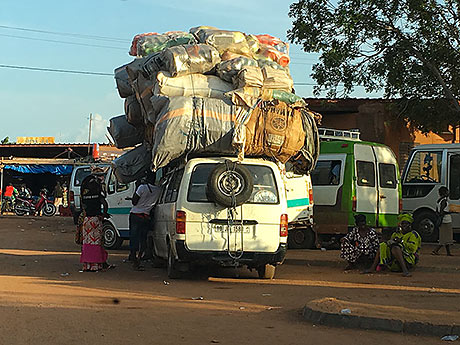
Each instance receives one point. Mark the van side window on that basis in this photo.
(172, 190)
(326, 173)
(387, 176)
(454, 179)
(365, 173)
(121, 187)
(111, 184)
(80, 175)
(425, 167)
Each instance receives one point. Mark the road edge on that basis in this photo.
(377, 324)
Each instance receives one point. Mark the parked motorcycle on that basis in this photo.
(43, 204)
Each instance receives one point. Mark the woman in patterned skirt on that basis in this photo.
(360, 245)
(93, 255)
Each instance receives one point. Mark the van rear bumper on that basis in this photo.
(251, 259)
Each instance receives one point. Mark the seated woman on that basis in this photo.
(360, 245)
(400, 253)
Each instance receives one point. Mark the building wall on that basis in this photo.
(376, 122)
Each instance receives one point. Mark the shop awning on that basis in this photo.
(41, 168)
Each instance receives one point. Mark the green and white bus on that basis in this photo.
(353, 177)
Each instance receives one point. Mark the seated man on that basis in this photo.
(400, 253)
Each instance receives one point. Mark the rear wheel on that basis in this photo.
(266, 271)
(173, 271)
(424, 224)
(301, 238)
(19, 209)
(111, 238)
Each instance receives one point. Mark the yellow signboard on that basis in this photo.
(34, 140)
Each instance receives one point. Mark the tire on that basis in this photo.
(424, 224)
(266, 271)
(172, 269)
(230, 178)
(301, 238)
(18, 211)
(111, 238)
(49, 210)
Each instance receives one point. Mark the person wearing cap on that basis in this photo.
(401, 252)
(360, 245)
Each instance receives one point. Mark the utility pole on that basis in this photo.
(89, 133)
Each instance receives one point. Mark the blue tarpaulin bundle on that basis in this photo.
(41, 168)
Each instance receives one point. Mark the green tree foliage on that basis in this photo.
(5, 141)
(409, 49)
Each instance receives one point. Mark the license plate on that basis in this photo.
(234, 228)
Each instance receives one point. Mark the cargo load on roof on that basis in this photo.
(210, 91)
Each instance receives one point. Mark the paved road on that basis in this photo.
(45, 300)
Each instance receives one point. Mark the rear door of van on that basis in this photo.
(256, 224)
(389, 188)
(366, 188)
(332, 193)
(119, 207)
(377, 185)
(78, 175)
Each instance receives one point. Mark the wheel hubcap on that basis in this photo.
(426, 226)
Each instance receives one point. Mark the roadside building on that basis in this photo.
(376, 122)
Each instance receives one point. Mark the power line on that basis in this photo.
(95, 37)
(55, 70)
(65, 42)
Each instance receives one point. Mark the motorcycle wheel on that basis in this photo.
(18, 210)
(49, 210)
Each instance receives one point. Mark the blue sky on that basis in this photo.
(36, 103)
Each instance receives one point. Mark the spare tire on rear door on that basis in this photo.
(230, 184)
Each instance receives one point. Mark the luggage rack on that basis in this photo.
(327, 134)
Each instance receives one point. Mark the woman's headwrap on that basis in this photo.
(405, 217)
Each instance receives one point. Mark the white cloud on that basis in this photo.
(98, 130)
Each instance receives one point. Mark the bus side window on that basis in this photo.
(454, 177)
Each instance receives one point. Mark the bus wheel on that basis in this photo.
(111, 238)
(424, 224)
(301, 238)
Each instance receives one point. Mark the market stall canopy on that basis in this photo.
(41, 168)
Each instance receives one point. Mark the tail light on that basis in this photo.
(180, 222)
(400, 205)
(71, 196)
(353, 200)
(310, 195)
(284, 225)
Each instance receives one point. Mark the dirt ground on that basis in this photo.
(45, 299)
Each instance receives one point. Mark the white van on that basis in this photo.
(300, 210)
(428, 168)
(195, 221)
(116, 228)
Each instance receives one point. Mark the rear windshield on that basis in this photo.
(80, 175)
(265, 190)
